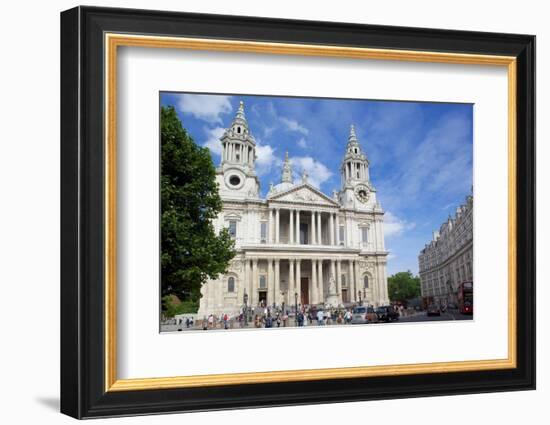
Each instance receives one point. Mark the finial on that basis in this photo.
(240, 116)
(287, 170)
(352, 134)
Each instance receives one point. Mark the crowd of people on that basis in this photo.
(274, 316)
(278, 317)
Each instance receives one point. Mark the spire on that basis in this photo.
(352, 135)
(240, 125)
(240, 113)
(287, 170)
(353, 144)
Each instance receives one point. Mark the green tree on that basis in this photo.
(191, 252)
(403, 286)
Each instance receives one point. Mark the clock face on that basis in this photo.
(362, 193)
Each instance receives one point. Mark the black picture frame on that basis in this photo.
(83, 392)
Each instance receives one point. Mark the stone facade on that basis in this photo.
(447, 260)
(297, 243)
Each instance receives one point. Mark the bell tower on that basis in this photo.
(237, 170)
(356, 189)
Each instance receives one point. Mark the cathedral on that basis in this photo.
(298, 245)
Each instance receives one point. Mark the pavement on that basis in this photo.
(415, 317)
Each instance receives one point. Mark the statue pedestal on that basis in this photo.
(332, 300)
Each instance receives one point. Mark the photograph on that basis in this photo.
(290, 212)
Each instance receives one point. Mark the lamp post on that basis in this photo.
(283, 303)
(245, 299)
(360, 300)
(296, 308)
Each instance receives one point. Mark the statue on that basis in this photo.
(332, 298)
(332, 285)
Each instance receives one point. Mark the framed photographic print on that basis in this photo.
(261, 212)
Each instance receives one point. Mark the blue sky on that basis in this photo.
(420, 153)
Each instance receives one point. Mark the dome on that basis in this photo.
(281, 187)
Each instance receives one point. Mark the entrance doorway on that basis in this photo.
(345, 297)
(304, 290)
(262, 297)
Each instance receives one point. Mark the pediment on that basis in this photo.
(305, 193)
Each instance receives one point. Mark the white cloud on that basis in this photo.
(302, 143)
(205, 107)
(265, 158)
(293, 125)
(288, 123)
(317, 172)
(394, 226)
(213, 139)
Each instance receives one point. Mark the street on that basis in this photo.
(448, 315)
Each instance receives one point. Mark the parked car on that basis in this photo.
(433, 310)
(359, 315)
(387, 313)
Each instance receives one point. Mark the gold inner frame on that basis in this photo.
(113, 41)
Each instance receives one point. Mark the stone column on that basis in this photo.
(291, 227)
(339, 280)
(319, 229)
(270, 226)
(313, 295)
(291, 282)
(297, 241)
(312, 228)
(320, 282)
(333, 270)
(270, 280)
(245, 281)
(358, 284)
(331, 229)
(254, 286)
(351, 284)
(277, 286)
(298, 286)
(337, 225)
(277, 225)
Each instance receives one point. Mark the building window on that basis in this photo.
(263, 231)
(364, 235)
(366, 282)
(342, 235)
(262, 282)
(239, 130)
(344, 284)
(231, 284)
(233, 228)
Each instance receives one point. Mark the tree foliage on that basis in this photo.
(403, 286)
(191, 251)
(171, 308)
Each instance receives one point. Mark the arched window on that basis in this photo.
(366, 281)
(231, 284)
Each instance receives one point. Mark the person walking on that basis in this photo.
(320, 318)
(269, 321)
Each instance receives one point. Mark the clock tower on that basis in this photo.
(237, 177)
(356, 192)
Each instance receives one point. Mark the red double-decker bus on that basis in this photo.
(465, 295)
